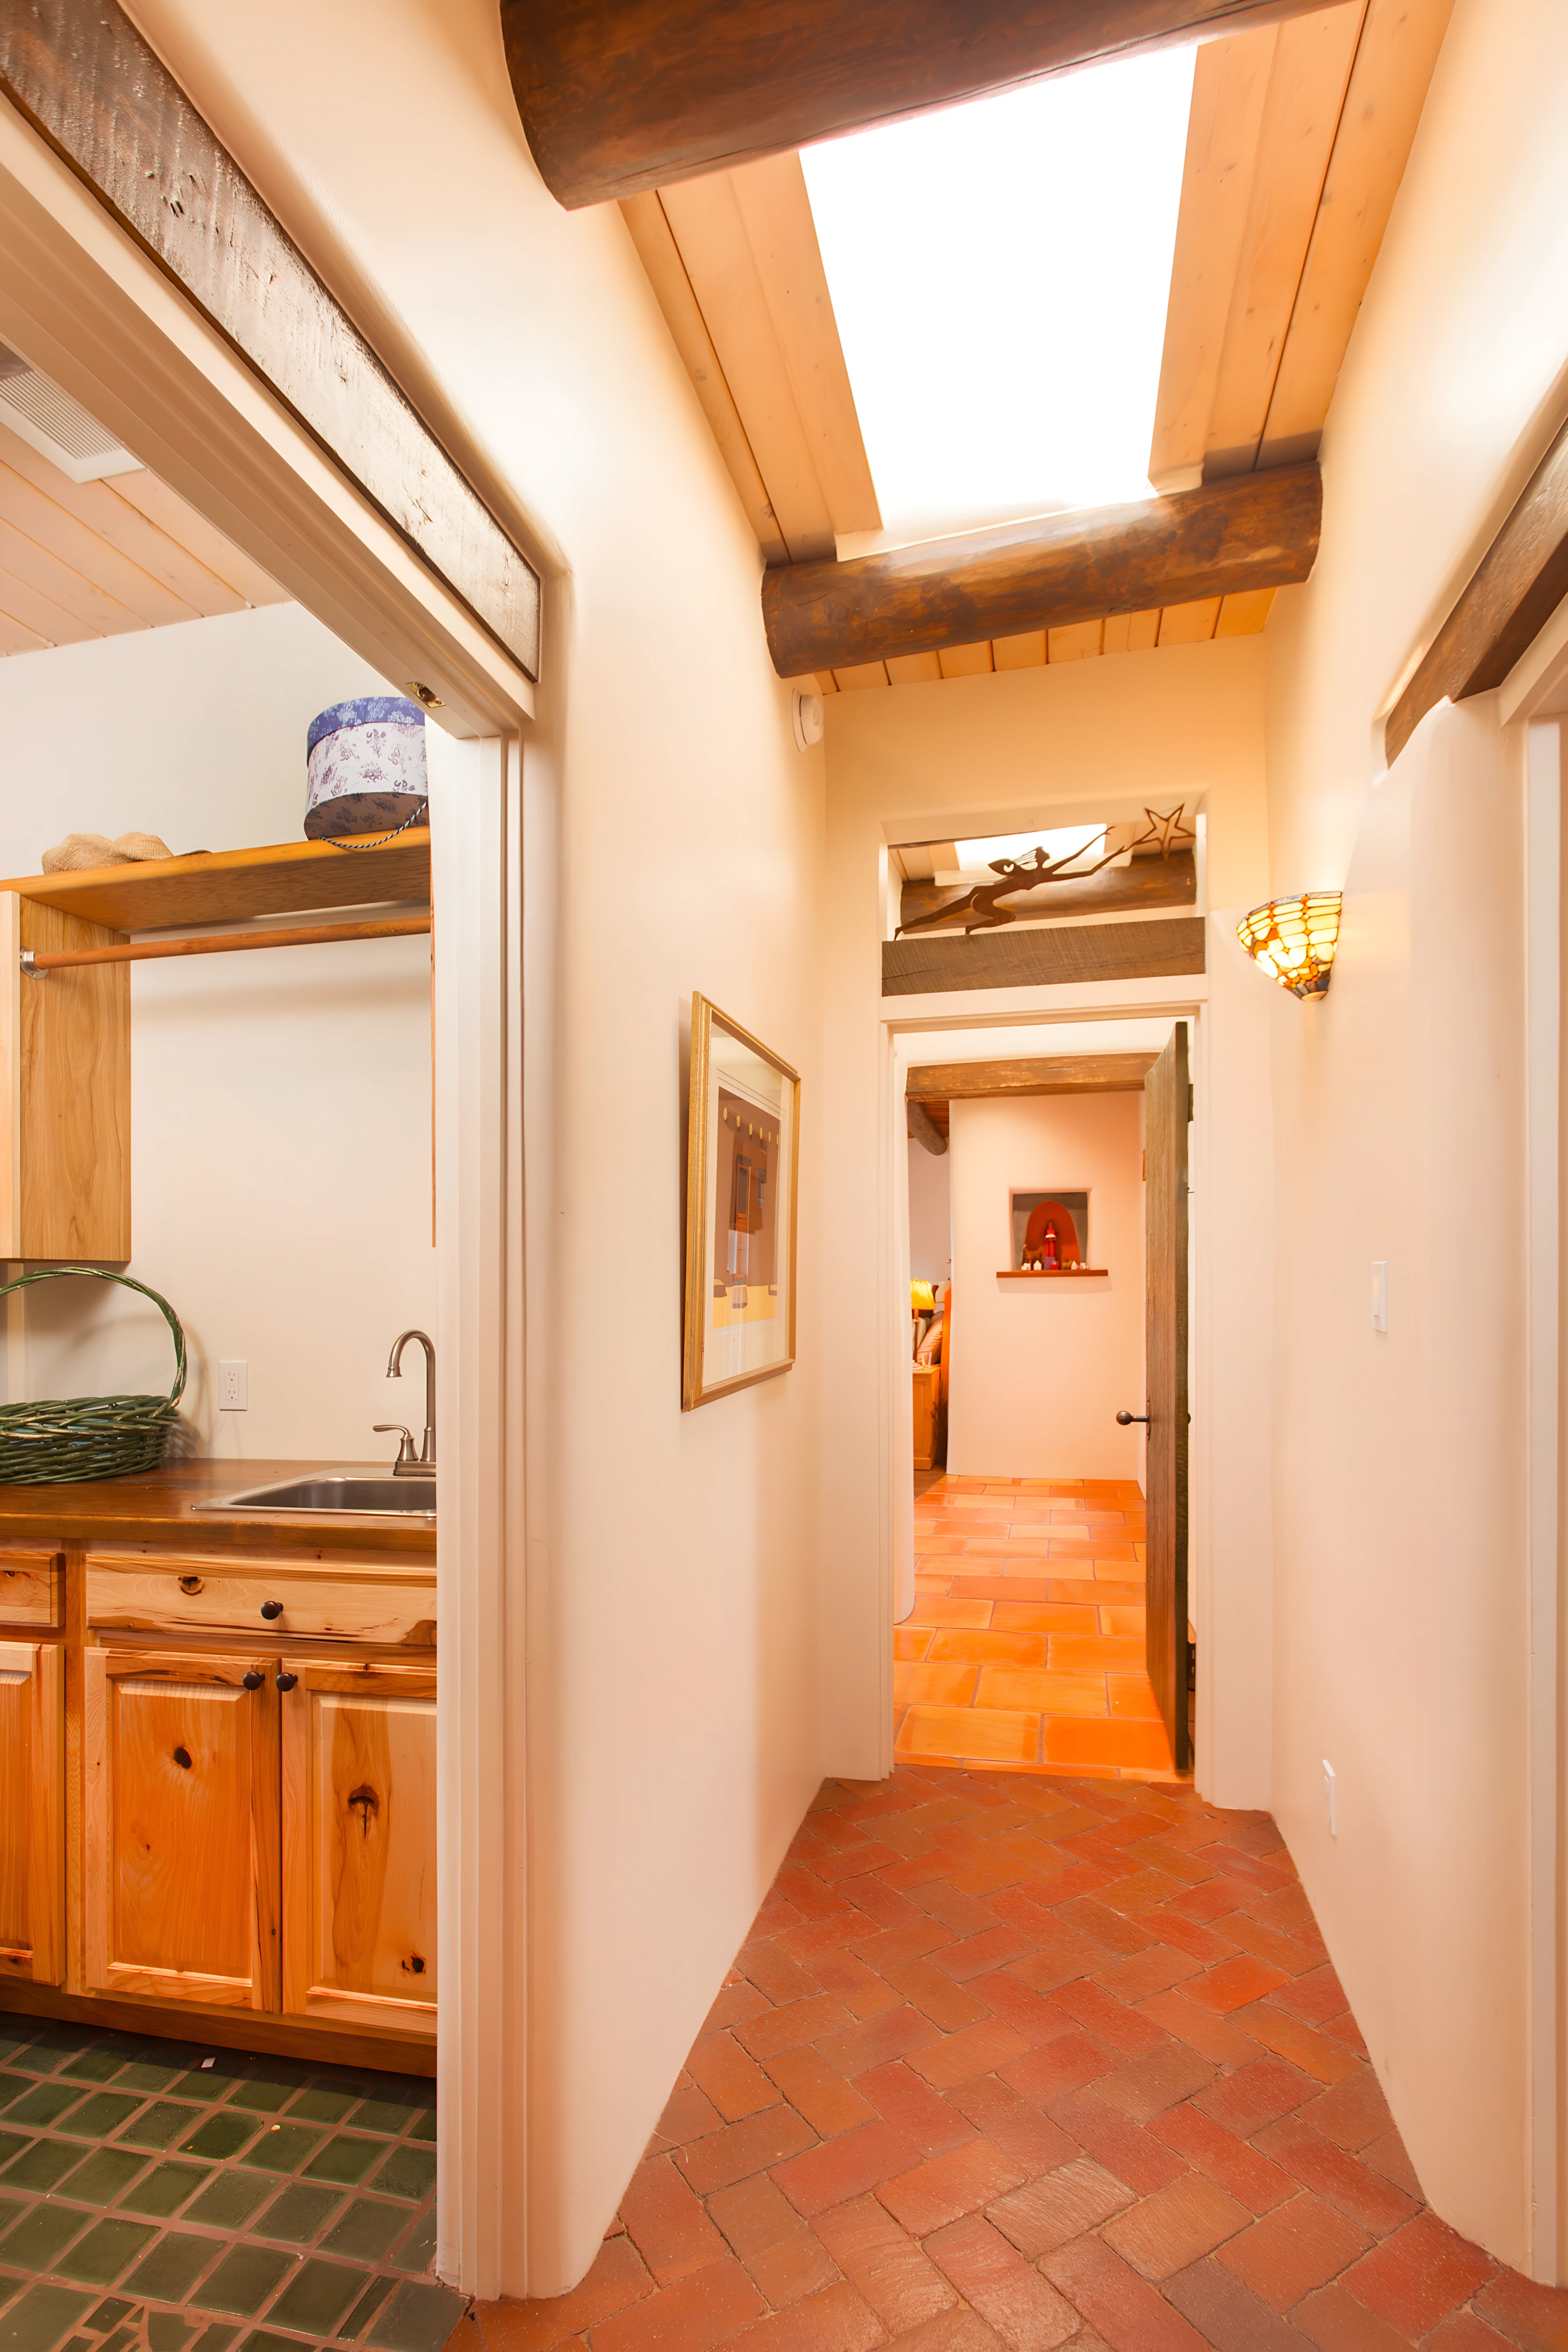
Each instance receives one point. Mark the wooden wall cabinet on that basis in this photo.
(32, 1775)
(180, 1852)
(65, 1093)
(928, 1416)
(359, 1844)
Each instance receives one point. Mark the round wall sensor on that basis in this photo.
(807, 711)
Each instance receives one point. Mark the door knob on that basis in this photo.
(287, 1682)
(270, 1609)
(253, 1681)
(1127, 1419)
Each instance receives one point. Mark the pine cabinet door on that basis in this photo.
(358, 1845)
(32, 1770)
(181, 1855)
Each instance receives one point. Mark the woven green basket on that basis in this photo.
(66, 1438)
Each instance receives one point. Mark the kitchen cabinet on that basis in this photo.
(359, 1843)
(217, 1768)
(180, 1852)
(31, 1812)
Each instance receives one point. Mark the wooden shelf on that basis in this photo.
(1048, 1274)
(226, 886)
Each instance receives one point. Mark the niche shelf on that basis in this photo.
(1050, 1273)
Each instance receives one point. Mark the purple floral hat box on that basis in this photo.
(364, 766)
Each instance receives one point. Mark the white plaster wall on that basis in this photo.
(1401, 1634)
(674, 841)
(280, 1103)
(1039, 1369)
(1399, 1505)
(930, 1213)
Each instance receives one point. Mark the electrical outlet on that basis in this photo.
(1380, 1294)
(1330, 1790)
(233, 1384)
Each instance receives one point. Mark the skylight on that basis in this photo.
(1000, 274)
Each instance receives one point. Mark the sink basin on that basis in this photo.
(360, 1492)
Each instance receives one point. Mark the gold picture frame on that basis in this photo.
(743, 1160)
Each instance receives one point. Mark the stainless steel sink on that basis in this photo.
(362, 1492)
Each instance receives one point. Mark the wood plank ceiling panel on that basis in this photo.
(776, 208)
(1301, 131)
(1394, 63)
(81, 559)
(1307, 83)
(178, 519)
(654, 240)
(1229, 90)
(710, 231)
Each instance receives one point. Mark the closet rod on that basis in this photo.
(37, 963)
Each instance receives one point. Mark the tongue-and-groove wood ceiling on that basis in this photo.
(81, 559)
(1297, 142)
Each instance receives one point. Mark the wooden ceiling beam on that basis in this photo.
(1056, 1073)
(619, 96)
(1255, 532)
(1513, 593)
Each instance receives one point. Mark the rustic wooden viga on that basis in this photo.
(618, 96)
(1250, 531)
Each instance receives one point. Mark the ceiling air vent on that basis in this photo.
(57, 426)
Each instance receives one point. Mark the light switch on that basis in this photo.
(1380, 1294)
(233, 1385)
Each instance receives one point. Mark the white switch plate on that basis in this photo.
(1331, 1787)
(1380, 1294)
(233, 1386)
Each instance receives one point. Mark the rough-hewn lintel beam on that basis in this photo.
(1059, 1074)
(618, 96)
(86, 79)
(1513, 593)
(1252, 530)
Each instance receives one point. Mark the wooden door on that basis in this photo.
(180, 1856)
(1168, 1094)
(359, 1844)
(32, 1945)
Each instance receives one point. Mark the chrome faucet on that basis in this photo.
(407, 1465)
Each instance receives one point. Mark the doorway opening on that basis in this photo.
(1047, 1165)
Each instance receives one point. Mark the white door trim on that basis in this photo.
(1543, 1016)
(88, 306)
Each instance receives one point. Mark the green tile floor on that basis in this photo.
(163, 2197)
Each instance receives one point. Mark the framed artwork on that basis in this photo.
(742, 1166)
(1050, 1230)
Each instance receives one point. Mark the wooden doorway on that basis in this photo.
(1167, 1091)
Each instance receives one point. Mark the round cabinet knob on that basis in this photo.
(287, 1682)
(271, 1609)
(252, 1682)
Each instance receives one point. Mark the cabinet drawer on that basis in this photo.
(188, 1593)
(29, 1586)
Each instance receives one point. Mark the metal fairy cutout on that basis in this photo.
(1161, 834)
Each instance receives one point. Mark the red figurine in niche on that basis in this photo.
(1051, 1232)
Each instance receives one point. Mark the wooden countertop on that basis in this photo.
(154, 1507)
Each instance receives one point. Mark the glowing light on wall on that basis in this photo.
(1294, 940)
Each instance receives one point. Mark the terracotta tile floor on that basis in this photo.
(1012, 2063)
(1024, 1650)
